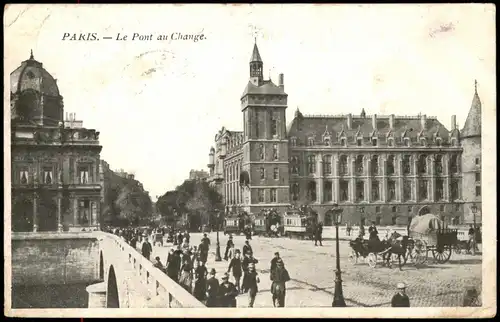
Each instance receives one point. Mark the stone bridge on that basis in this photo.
(115, 275)
(131, 281)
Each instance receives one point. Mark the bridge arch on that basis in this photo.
(424, 211)
(112, 298)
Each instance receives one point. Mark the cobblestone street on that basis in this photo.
(312, 271)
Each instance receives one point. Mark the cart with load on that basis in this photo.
(428, 234)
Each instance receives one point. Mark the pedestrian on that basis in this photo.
(180, 237)
(247, 249)
(472, 240)
(278, 287)
(250, 284)
(185, 244)
(235, 265)
(212, 290)
(133, 242)
(372, 231)
(157, 263)
(318, 235)
(400, 299)
(227, 292)
(229, 245)
(274, 260)
(186, 236)
(200, 281)
(186, 278)
(147, 249)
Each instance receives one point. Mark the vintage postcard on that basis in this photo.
(275, 160)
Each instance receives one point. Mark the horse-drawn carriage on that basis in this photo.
(428, 234)
(300, 223)
(370, 250)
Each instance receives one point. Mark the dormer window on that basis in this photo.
(439, 141)
(407, 141)
(423, 141)
(343, 142)
(293, 140)
(390, 142)
(359, 141)
(374, 141)
(310, 141)
(327, 141)
(454, 142)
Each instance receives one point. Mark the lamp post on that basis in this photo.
(361, 226)
(474, 211)
(338, 296)
(217, 245)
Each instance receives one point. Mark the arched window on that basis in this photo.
(311, 191)
(359, 165)
(343, 142)
(390, 142)
(454, 163)
(422, 163)
(406, 164)
(311, 164)
(390, 165)
(343, 165)
(327, 164)
(374, 165)
(438, 164)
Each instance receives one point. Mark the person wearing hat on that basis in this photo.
(235, 265)
(227, 292)
(147, 249)
(187, 236)
(318, 234)
(229, 245)
(174, 264)
(186, 277)
(373, 232)
(278, 288)
(247, 249)
(200, 281)
(212, 290)
(274, 260)
(157, 263)
(250, 284)
(400, 299)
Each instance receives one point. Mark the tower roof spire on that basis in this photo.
(255, 53)
(472, 126)
(475, 86)
(31, 54)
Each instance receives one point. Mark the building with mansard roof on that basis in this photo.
(380, 168)
(56, 180)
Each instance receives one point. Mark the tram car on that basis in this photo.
(300, 223)
(237, 224)
(268, 223)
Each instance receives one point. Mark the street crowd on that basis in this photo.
(186, 265)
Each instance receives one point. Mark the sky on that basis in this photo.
(158, 104)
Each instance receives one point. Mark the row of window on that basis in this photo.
(359, 193)
(359, 166)
(262, 152)
(374, 141)
(87, 213)
(276, 173)
(48, 175)
(274, 125)
(378, 219)
(273, 195)
(234, 194)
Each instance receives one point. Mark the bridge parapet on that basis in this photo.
(139, 283)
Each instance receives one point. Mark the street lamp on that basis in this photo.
(474, 237)
(361, 226)
(217, 245)
(338, 297)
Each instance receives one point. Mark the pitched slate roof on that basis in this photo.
(472, 126)
(267, 88)
(303, 127)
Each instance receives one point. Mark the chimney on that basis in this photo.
(423, 119)
(349, 121)
(391, 121)
(453, 122)
(374, 121)
(281, 81)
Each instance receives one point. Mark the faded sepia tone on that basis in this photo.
(138, 133)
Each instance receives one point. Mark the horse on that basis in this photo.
(398, 247)
(363, 247)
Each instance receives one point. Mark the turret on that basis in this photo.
(256, 67)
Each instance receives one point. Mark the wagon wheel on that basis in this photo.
(419, 252)
(442, 255)
(352, 258)
(372, 260)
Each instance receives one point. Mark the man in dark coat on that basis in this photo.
(229, 245)
(400, 299)
(247, 249)
(235, 265)
(250, 284)
(212, 290)
(373, 232)
(227, 292)
(318, 236)
(147, 249)
(174, 264)
(278, 288)
(273, 261)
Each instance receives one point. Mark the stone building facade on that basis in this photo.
(56, 180)
(381, 168)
